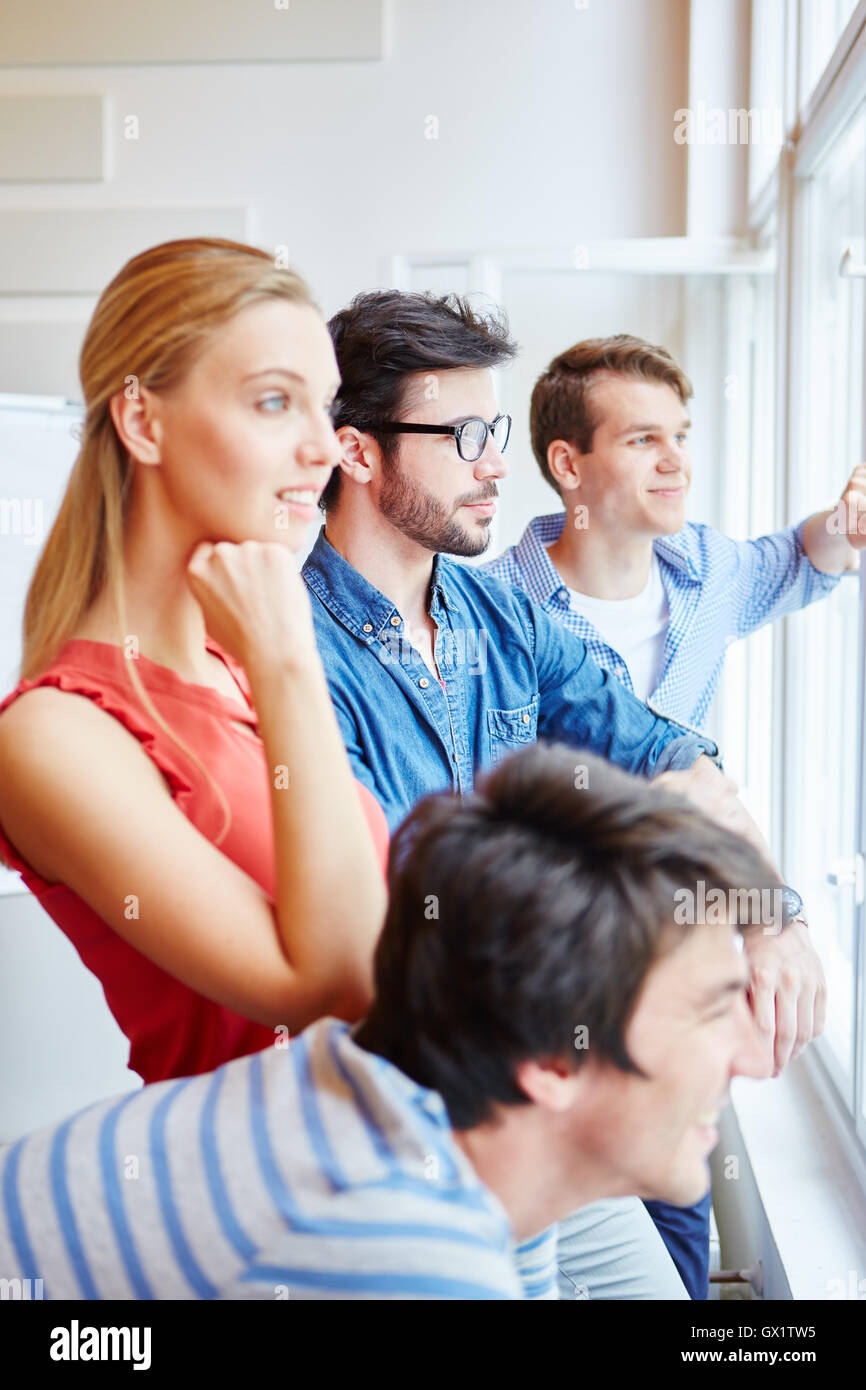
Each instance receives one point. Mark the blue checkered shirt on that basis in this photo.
(718, 590)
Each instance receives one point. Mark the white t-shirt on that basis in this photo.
(634, 627)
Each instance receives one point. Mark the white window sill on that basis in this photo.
(799, 1194)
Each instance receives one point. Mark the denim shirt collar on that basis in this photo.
(362, 608)
(533, 560)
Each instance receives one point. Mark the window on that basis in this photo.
(745, 716)
(824, 688)
(822, 24)
(810, 56)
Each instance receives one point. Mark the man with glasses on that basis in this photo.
(436, 671)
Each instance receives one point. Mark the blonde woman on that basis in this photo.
(173, 783)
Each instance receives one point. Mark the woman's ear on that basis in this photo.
(135, 419)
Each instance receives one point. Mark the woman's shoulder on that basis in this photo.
(50, 724)
(28, 711)
(25, 711)
(76, 709)
(52, 748)
(83, 668)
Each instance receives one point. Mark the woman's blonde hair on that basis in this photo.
(151, 324)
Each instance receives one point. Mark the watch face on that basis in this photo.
(792, 904)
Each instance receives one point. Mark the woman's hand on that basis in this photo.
(255, 604)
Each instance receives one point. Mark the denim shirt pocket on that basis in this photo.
(511, 729)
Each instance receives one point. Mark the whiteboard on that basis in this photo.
(38, 448)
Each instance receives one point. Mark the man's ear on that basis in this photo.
(550, 1083)
(563, 460)
(136, 421)
(361, 453)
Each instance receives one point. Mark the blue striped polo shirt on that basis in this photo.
(315, 1170)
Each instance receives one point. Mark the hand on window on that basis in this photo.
(788, 992)
(852, 505)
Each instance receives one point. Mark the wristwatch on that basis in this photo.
(793, 909)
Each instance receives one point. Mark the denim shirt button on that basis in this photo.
(526, 718)
(395, 621)
(368, 627)
(423, 682)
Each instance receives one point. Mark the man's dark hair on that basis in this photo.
(386, 335)
(531, 908)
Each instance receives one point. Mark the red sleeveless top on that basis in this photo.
(172, 1030)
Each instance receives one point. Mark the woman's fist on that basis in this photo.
(255, 604)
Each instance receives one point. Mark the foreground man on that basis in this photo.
(543, 1035)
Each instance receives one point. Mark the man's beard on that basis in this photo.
(418, 515)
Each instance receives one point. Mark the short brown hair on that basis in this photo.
(537, 902)
(561, 406)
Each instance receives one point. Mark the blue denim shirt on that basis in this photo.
(511, 674)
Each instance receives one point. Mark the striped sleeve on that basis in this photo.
(535, 1261)
(404, 1252)
(256, 1181)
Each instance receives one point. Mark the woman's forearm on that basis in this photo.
(330, 892)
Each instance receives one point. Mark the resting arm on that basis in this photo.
(82, 802)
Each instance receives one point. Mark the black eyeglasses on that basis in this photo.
(471, 436)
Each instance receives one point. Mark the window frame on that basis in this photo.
(835, 100)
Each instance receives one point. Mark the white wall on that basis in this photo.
(555, 127)
(719, 35)
(61, 1047)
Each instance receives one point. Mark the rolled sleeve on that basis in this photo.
(683, 752)
(775, 577)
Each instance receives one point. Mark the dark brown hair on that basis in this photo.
(561, 405)
(384, 336)
(529, 908)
